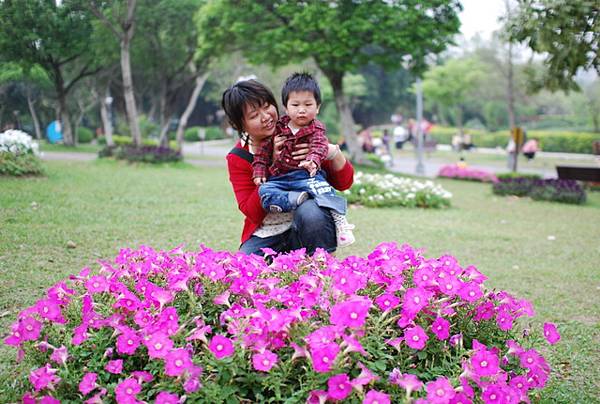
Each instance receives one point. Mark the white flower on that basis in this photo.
(17, 142)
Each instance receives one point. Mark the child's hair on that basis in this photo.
(300, 82)
(241, 93)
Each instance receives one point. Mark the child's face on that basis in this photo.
(302, 107)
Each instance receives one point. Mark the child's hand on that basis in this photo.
(309, 166)
(260, 180)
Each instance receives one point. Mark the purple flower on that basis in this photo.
(49, 400)
(351, 313)
(504, 318)
(339, 387)
(485, 363)
(441, 328)
(376, 397)
(158, 344)
(440, 391)
(407, 381)
(387, 301)
(166, 398)
(415, 299)
(44, 377)
(323, 356)
(128, 342)
(470, 292)
(96, 284)
(221, 346)
(460, 398)
(88, 383)
(415, 337)
(316, 397)
(493, 394)
(50, 310)
(114, 366)
(551, 333)
(264, 361)
(126, 391)
(177, 361)
(60, 355)
(30, 329)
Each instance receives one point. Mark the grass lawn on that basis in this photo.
(105, 205)
(81, 148)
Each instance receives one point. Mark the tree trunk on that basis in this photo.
(65, 120)
(346, 120)
(459, 121)
(34, 117)
(106, 121)
(200, 80)
(163, 140)
(130, 105)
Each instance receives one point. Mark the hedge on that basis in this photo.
(212, 133)
(127, 141)
(550, 141)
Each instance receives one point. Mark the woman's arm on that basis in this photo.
(340, 172)
(246, 192)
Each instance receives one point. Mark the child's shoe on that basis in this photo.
(297, 198)
(343, 230)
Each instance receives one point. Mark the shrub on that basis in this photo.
(519, 175)
(19, 154)
(84, 135)
(382, 190)
(148, 154)
(550, 141)
(456, 171)
(212, 133)
(218, 327)
(556, 190)
(565, 191)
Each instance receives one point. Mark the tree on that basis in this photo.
(118, 17)
(566, 32)
(451, 84)
(54, 37)
(341, 36)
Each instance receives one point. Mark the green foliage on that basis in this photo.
(554, 190)
(84, 135)
(212, 133)
(127, 141)
(550, 141)
(147, 154)
(518, 175)
(20, 164)
(566, 32)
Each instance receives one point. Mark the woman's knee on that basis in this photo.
(310, 217)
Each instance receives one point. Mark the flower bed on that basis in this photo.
(556, 190)
(217, 327)
(19, 154)
(378, 190)
(466, 173)
(142, 154)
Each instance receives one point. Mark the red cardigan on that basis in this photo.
(246, 192)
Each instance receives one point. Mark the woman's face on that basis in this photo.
(259, 121)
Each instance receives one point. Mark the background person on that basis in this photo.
(252, 111)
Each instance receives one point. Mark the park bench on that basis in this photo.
(591, 174)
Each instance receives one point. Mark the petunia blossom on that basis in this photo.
(551, 333)
(351, 313)
(44, 377)
(88, 383)
(484, 363)
(339, 387)
(177, 361)
(441, 328)
(221, 346)
(166, 398)
(376, 397)
(126, 391)
(159, 344)
(264, 361)
(323, 356)
(415, 337)
(114, 366)
(440, 391)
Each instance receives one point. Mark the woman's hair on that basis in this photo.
(300, 82)
(241, 93)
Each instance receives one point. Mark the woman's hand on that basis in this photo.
(277, 145)
(259, 180)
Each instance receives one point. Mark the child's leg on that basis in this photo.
(279, 194)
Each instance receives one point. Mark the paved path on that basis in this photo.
(212, 154)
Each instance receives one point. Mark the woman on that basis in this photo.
(252, 111)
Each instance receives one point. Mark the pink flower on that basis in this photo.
(441, 328)
(323, 356)
(470, 292)
(485, 363)
(387, 301)
(376, 397)
(494, 394)
(96, 284)
(551, 333)
(49, 400)
(448, 285)
(30, 329)
(60, 355)
(415, 299)
(96, 398)
(44, 377)
(221, 346)
(88, 383)
(128, 342)
(264, 361)
(142, 376)
(440, 391)
(158, 344)
(461, 398)
(351, 313)
(114, 366)
(530, 359)
(127, 390)
(339, 387)
(407, 381)
(79, 334)
(347, 281)
(177, 361)
(166, 398)
(28, 398)
(365, 377)
(504, 318)
(316, 397)
(50, 310)
(520, 383)
(415, 337)
(14, 339)
(424, 277)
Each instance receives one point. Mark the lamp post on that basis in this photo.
(420, 169)
(108, 101)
